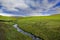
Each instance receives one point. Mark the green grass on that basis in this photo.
(7, 18)
(46, 27)
(8, 32)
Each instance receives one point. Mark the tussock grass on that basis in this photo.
(8, 32)
(46, 27)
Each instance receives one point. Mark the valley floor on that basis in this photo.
(45, 27)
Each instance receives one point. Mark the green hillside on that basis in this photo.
(8, 32)
(46, 27)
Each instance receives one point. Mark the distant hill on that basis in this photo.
(55, 15)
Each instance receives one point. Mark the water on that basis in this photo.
(26, 33)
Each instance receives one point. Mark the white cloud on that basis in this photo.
(5, 14)
(11, 5)
(38, 14)
(41, 6)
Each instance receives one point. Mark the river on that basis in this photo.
(26, 33)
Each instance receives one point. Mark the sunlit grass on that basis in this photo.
(46, 27)
(8, 32)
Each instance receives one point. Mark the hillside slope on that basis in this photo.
(8, 32)
(46, 27)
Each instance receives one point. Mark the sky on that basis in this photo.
(29, 7)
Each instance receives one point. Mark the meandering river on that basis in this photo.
(26, 33)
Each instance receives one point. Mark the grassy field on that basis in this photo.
(46, 27)
(8, 32)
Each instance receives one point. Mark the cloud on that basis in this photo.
(29, 7)
(43, 5)
(11, 4)
(5, 14)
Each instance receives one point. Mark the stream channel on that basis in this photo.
(26, 33)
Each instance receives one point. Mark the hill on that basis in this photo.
(55, 15)
(46, 27)
(8, 32)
